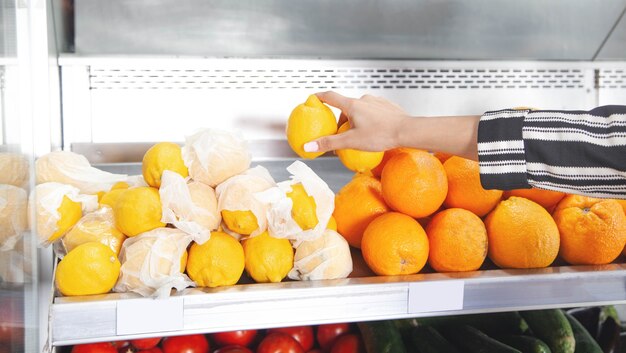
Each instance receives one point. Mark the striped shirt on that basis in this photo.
(578, 152)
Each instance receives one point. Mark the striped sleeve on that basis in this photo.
(579, 152)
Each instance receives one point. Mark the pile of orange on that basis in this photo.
(416, 207)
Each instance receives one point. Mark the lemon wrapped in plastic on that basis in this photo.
(74, 169)
(90, 268)
(213, 156)
(241, 212)
(97, 226)
(13, 220)
(153, 263)
(14, 167)
(327, 257)
(190, 207)
(54, 208)
(300, 208)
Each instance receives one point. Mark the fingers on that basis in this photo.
(329, 143)
(335, 99)
(342, 119)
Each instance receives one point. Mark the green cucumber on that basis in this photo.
(526, 344)
(426, 339)
(471, 340)
(494, 324)
(588, 317)
(585, 343)
(381, 337)
(552, 327)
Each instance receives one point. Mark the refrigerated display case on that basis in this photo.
(109, 79)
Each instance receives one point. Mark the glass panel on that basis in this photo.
(18, 275)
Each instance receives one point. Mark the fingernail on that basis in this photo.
(311, 147)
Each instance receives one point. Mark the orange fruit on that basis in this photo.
(414, 183)
(442, 156)
(593, 231)
(464, 187)
(623, 204)
(521, 234)
(546, 198)
(394, 244)
(387, 156)
(357, 204)
(458, 241)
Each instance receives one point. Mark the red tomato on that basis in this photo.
(327, 334)
(120, 344)
(186, 344)
(233, 349)
(240, 337)
(145, 343)
(151, 350)
(279, 342)
(102, 347)
(303, 334)
(348, 343)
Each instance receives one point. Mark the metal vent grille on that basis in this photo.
(336, 78)
(613, 79)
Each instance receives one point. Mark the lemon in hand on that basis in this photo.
(160, 157)
(268, 259)
(217, 262)
(91, 268)
(304, 208)
(309, 121)
(356, 160)
(138, 210)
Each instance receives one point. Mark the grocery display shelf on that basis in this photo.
(202, 310)
(361, 297)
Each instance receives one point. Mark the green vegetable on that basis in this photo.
(584, 342)
(426, 339)
(470, 340)
(526, 344)
(381, 337)
(495, 324)
(552, 327)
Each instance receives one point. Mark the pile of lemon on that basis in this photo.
(214, 227)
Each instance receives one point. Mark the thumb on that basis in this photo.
(329, 143)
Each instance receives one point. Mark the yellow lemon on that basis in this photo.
(160, 157)
(356, 160)
(110, 197)
(307, 122)
(217, 262)
(332, 224)
(268, 259)
(96, 226)
(138, 210)
(91, 268)
(120, 185)
(240, 222)
(183, 261)
(70, 212)
(304, 208)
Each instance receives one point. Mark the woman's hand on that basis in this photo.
(375, 124)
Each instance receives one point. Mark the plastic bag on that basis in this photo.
(96, 226)
(151, 263)
(44, 203)
(14, 167)
(280, 221)
(213, 156)
(13, 219)
(327, 257)
(74, 169)
(191, 207)
(237, 194)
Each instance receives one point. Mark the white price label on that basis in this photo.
(425, 297)
(136, 316)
